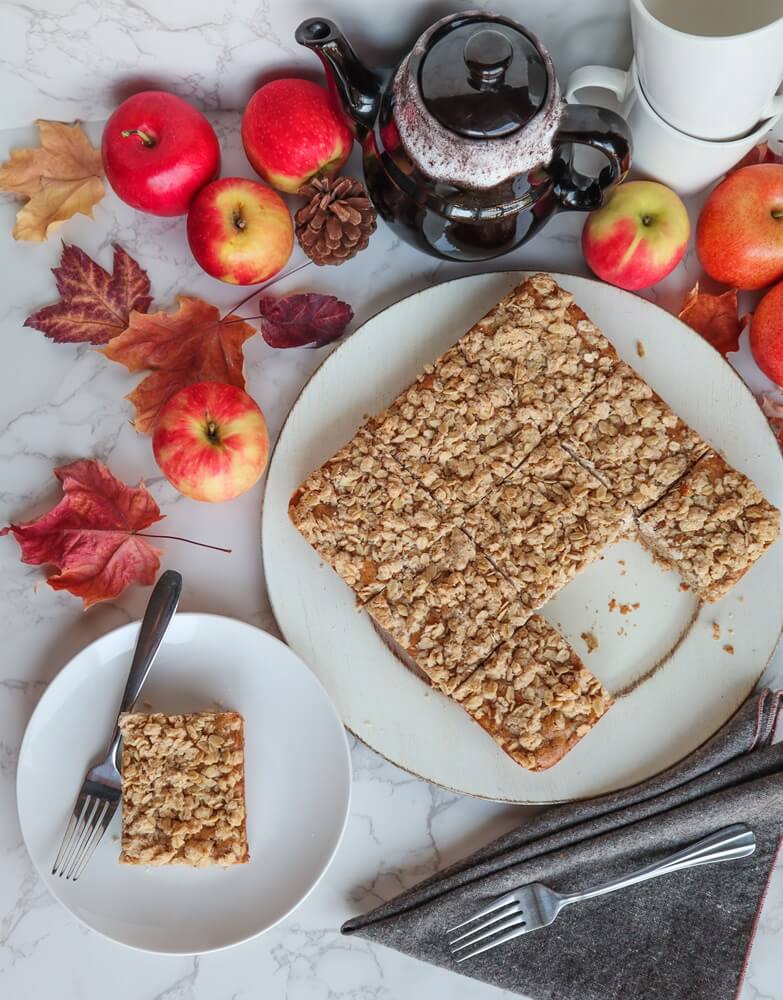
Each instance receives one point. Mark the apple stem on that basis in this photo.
(179, 538)
(777, 213)
(647, 220)
(146, 140)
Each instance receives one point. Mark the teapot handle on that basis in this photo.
(601, 129)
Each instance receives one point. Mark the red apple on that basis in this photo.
(240, 231)
(739, 238)
(211, 441)
(766, 334)
(638, 237)
(158, 152)
(291, 131)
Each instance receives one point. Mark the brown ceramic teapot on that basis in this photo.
(468, 145)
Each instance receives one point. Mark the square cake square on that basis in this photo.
(534, 696)
(546, 522)
(711, 527)
(631, 439)
(183, 789)
(541, 341)
(450, 617)
(367, 516)
(457, 430)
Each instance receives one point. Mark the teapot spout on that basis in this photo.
(355, 87)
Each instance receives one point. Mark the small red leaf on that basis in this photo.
(305, 320)
(91, 536)
(773, 411)
(715, 317)
(94, 305)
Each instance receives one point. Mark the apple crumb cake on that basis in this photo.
(183, 789)
(509, 465)
(711, 527)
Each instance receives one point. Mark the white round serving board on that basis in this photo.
(297, 781)
(671, 712)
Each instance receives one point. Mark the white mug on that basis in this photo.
(711, 68)
(661, 152)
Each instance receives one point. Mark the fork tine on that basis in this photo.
(72, 833)
(516, 920)
(102, 825)
(501, 901)
(499, 915)
(509, 936)
(83, 835)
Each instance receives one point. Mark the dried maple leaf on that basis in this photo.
(192, 344)
(60, 178)
(303, 320)
(95, 305)
(715, 317)
(91, 536)
(773, 410)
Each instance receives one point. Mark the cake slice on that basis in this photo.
(711, 527)
(546, 522)
(451, 616)
(631, 439)
(183, 789)
(366, 516)
(534, 696)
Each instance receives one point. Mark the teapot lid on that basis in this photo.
(482, 79)
(476, 101)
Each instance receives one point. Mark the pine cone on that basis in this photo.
(337, 221)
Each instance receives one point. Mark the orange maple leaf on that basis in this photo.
(92, 536)
(715, 317)
(192, 344)
(59, 178)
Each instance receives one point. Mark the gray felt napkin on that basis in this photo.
(686, 935)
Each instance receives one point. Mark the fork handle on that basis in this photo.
(160, 610)
(735, 841)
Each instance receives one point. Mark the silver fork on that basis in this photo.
(533, 906)
(100, 792)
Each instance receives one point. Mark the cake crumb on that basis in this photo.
(621, 562)
(621, 631)
(590, 641)
(729, 649)
(626, 609)
(684, 586)
(640, 349)
(612, 604)
(715, 630)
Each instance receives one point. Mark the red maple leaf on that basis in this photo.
(94, 305)
(92, 536)
(192, 344)
(303, 320)
(715, 317)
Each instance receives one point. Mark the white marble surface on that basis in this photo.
(58, 403)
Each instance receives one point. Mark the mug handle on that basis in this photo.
(601, 129)
(618, 81)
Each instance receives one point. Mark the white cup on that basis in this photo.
(661, 152)
(710, 68)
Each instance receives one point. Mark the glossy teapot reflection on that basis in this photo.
(467, 147)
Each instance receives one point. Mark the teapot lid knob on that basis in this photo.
(487, 55)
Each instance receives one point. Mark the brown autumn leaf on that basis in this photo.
(772, 408)
(92, 536)
(303, 320)
(94, 305)
(59, 178)
(192, 344)
(715, 317)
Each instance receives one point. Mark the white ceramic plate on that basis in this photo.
(672, 709)
(297, 774)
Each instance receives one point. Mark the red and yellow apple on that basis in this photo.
(158, 152)
(739, 237)
(240, 231)
(766, 334)
(291, 131)
(211, 441)
(638, 237)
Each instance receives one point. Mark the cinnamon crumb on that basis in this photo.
(684, 586)
(621, 562)
(590, 641)
(640, 349)
(729, 649)
(715, 630)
